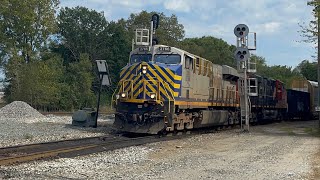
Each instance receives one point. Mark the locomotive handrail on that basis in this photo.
(168, 91)
(114, 92)
(131, 87)
(168, 94)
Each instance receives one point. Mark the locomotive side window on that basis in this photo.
(167, 58)
(205, 68)
(188, 61)
(197, 62)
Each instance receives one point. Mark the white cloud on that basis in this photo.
(177, 5)
(272, 26)
(275, 21)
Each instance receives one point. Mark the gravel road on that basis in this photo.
(275, 151)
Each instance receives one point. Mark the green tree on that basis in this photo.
(308, 70)
(81, 31)
(211, 48)
(14, 74)
(310, 31)
(25, 27)
(262, 67)
(43, 89)
(283, 73)
(79, 78)
(170, 32)
(119, 47)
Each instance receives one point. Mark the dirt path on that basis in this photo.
(276, 151)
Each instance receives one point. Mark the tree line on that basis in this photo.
(48, 56)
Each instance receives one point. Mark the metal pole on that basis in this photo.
(240, 95)
(246, 97)
(318, 33)
(98, 103)
(151, 34)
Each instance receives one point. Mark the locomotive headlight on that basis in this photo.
(123, 95)
(153, 95)
(144, 69)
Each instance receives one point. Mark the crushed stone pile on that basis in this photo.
(19, 109)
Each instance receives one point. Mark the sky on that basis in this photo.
(276, 22)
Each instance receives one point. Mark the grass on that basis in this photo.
(308, 130)
(312, 131)
(288, 130)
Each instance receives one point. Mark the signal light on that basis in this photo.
(241, 30)
(242, 54)
(155, 20)
(155, 41)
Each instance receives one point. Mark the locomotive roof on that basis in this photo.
(313, 83)
(174, 49)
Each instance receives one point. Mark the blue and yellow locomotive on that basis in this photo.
(166, 89)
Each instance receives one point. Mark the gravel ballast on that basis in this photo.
(20, 110)
(22, 124)
(275, 151)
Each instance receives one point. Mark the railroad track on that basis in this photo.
(73, 147)
(62, 113)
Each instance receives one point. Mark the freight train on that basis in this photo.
(165, 89)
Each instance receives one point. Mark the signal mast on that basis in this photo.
(247, 86)
(145, 38)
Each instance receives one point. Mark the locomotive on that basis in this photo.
(165, 89)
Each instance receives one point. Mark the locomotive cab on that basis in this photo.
(144, 99)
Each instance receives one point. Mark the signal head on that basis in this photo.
(242, 54)
(155, 20)
(241, 30)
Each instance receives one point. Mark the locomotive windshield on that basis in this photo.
(167, 58)
(135, 58)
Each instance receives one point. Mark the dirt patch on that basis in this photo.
(316, 166)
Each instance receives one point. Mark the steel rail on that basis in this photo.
(73, 147)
